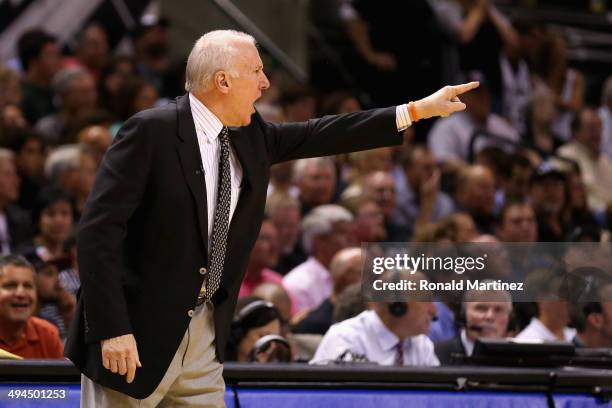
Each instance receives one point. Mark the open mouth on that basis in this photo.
(20, 307)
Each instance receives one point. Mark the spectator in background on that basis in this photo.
(475, 194)
(484, 314)
(552, 316)
(113, 78)
(316, 181)
(380, 187)
(279, 297)
(284, 212)
(515, 185)
(449, 138)
(298, 104)
(389, 334)
(263, 257)
(39, 55)
(517, 223)
(22, 333)
(96, 138)
(53, 218)
(345, 270)
(10, 87)
(15, 226)
(62, 168)
(605, 113)
(595, 328)
(548, 197)
(133, 96)
(77, 96)
(92, 49)
(29, 150)
(151, 49)
(89, 160)
(422, 202)
(325, 230)
(540, 113)
(577, 214)
(369, 219)
(585, 150)
(282, 180)
(255, 319)
(566, 84)
(55, 304)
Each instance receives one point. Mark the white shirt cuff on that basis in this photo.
(402, 118)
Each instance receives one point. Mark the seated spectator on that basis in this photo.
(39, 54)
(345, 269)
(92, 49)
(548, 198)
(284, 212)
(254, 320)
(15, 225)
(595, 166)
(133, 96)
(325, 230)
(517, 223)
(380, 187)
(29, 152)
(263, 256)
(89, 161)
(389, 334)
(97, 137)
(76, 91)
(552, 316)
(539, 116)
(422, 201)
(449, 138)
(55, 304)
(369, 219)
(595, 328)
(20, 332)
(484, 314)
(475, 194)
(279, 297)
(298, 104)
(113, 77)
(316, 181)
(62, 167)
(282, 181)
(53, 218)
(515, 185)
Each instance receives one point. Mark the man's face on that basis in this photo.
(265, 251)
(94, 50)
(420, 315)
(380, 187)
(17, 294)
(248, 86)
(287, 222)
(548, 195)
(518, 225)
(31, 159)
(47, 283)
(340, 237)
(370, 223)
(317, 184)
(518, 185)
(487, 319)
(82, 95)
(421, 169)
(479, 194)
(9, 182)
(56, 221)
(48, 62)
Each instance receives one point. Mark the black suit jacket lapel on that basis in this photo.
(191, 162)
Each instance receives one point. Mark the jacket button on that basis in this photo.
(203, 271)
(190, 313)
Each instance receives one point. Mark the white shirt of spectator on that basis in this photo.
(468, 345)
(208, 127)
(365, 334)
(310, 284)
(449, 139)
(517, 91)
(536, 330)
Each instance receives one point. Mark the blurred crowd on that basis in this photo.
(528, 161)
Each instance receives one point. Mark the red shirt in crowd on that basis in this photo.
(40, 339)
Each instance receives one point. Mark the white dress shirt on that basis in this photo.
(366, 335)
(536, 330)
(208, 127)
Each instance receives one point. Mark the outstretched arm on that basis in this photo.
(443, 102)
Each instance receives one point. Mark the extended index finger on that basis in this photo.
(463, 88)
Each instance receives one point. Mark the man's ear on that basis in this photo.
(221, 80)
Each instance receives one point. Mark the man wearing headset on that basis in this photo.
(387, 334)
(483, 314)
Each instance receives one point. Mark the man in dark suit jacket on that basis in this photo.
(145, 242)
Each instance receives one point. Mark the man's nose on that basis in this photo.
(264, 83)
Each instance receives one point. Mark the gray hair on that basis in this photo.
(320, 221)
(299, 167)
(65, 77)
(62, 159)
(214, 51)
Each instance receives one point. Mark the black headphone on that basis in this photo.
(237, 332)
(398, 309)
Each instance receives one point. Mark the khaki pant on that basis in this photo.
(194, 377)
